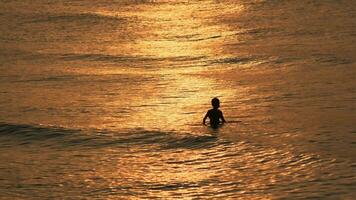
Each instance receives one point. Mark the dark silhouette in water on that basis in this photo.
(214, 114)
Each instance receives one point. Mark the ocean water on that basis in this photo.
(104, 99)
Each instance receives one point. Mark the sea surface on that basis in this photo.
(104, 99)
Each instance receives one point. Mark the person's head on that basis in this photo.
(215, 102)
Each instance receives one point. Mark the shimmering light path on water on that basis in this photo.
(105, 99)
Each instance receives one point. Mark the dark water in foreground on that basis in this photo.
(104, 99)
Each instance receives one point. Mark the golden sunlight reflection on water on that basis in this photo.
(112, 105)
(183, 42)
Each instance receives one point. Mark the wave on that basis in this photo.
(126, 58)
(76, 17)
(132, 61)
(58, 137)
(103, 57)
(155, 60)
(137, 61)
(234, 60)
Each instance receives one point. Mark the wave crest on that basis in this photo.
(65, 138)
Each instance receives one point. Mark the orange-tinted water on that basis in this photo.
(105, 99)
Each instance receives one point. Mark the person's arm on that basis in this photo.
(222, 117)
(206, 116)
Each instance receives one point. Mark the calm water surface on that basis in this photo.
(104, 99)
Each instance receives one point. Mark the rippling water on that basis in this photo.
(104, 99)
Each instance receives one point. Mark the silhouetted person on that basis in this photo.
(214, 114)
